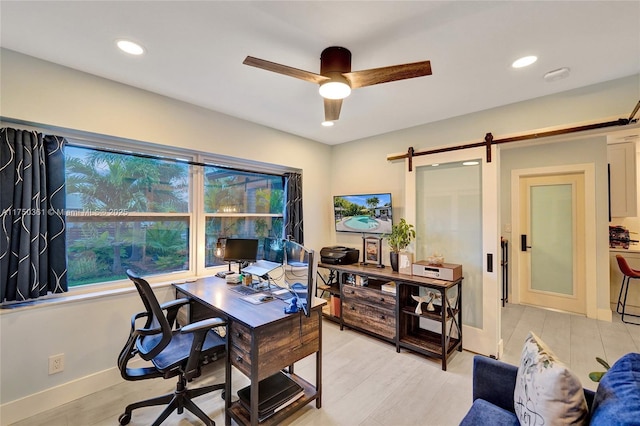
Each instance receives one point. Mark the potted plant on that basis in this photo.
(400, 237)
(597, 375)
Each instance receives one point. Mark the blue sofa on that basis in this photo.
(616, 401)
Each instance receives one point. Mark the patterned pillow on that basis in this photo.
(546, 392)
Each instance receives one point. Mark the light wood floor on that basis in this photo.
(367, 383)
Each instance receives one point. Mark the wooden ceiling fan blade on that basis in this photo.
(284, 69)
(373, 76)
(332, 109)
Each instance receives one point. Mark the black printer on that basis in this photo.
(339, 255)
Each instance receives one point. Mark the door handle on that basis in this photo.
(523, 243)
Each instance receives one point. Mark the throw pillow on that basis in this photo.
(547, 392)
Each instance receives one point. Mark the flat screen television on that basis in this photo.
(240, 250)
(300, 270)
(363, 213)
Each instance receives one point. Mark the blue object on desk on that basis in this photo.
(293, 307)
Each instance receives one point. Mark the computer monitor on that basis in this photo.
(274, 250)
(240, 250)
(300, 269)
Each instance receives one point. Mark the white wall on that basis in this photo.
(42, 92)
(361, 166)
(92, 332)
(583, 150)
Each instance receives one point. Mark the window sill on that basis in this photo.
(59, 299)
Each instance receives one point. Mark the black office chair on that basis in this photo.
(173, 352)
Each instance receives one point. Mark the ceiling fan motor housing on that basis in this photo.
(335, 59)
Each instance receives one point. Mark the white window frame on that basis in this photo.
(197, 217)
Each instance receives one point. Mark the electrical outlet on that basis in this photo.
(56, 363)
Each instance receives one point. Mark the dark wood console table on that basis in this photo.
(365, 307)
(261, 341)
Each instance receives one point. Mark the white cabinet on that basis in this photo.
(622, 179)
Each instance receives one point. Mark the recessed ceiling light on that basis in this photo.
(435, 165)
(130, 47)
(524, 61)
(470, 163)
(327, 123)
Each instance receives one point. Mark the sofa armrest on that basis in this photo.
(494, 381)
(589, 395)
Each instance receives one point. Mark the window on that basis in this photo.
(135, 210)
(240, 204)
(124, 211)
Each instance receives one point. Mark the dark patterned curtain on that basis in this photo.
(293, 209)
(32, 226)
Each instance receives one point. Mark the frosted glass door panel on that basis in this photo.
(449, 222)
(552, 270)
(552, 239)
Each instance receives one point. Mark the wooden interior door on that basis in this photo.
(552, 241)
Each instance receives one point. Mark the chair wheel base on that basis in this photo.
(124, 419)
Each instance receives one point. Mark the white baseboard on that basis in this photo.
(605, 315)
(631, 310)
(36, 403)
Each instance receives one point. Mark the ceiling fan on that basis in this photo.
(336, 78)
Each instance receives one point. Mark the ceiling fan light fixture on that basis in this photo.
(334, 90)
(327, 123)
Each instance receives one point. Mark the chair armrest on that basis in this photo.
(199, 330)
(494, 381)
(204, 324)
(173, 303)
(142, 331)
(172, 308)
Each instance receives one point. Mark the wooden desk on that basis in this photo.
(261, 341)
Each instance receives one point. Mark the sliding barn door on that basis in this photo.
(452, 198)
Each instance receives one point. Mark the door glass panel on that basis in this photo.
(552, 238)
(449, 222)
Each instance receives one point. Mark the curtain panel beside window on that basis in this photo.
(32, 226)
(293, 207)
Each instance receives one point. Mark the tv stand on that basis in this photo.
(393, 317)
(369, 265)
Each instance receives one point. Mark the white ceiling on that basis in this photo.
(195, 52)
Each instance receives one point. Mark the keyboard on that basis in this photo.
(243, 289)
